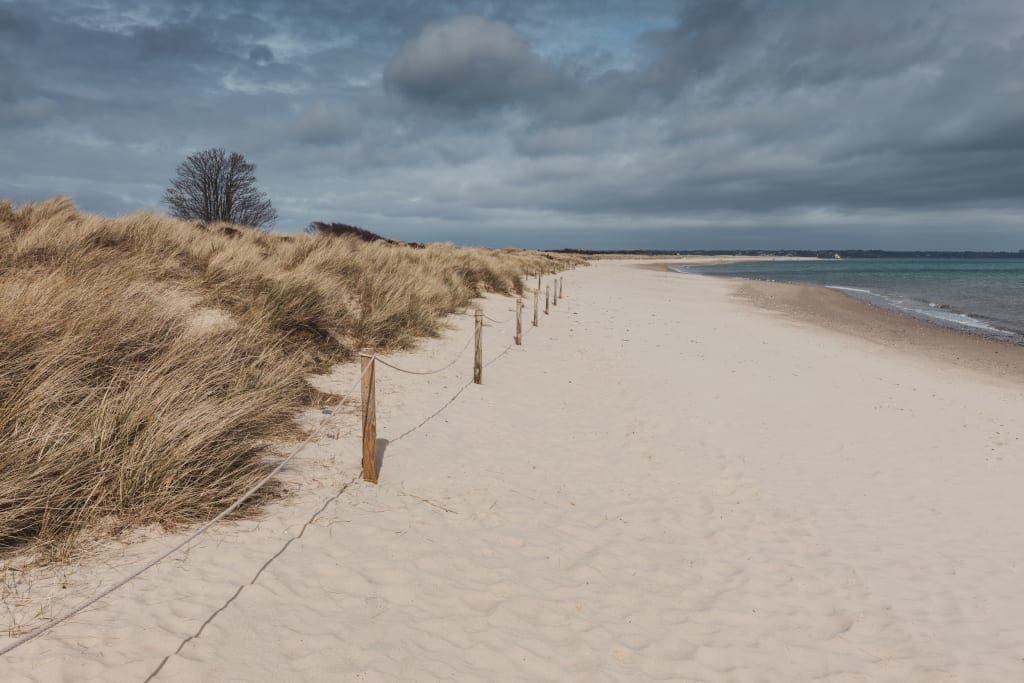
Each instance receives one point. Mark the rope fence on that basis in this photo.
(314, 433)
(366, 380)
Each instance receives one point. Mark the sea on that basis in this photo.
(979, 295)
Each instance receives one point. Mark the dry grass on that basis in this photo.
(146, 363)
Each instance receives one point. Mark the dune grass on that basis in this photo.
(148, 364)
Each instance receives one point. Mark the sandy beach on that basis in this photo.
(676, 477)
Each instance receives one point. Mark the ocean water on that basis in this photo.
(983, 296)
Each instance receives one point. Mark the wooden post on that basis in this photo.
(554, 299)
(560, 288)
(547, 299)
(538, 282)
(478, 357)
(519, 321)
(536, 307)
(367, 364)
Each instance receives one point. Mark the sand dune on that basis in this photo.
(664, 483)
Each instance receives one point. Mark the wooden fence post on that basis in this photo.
(478, 356)
(538, 282)
(366, 363)
(519, 321)
(560, 287)
(547, 299)
(554, 299)
(536, 307)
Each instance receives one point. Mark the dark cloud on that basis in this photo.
(15, 26)
(469, 61)
(666, 123)
(705, 39)
(261, 54)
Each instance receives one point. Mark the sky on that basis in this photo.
(695, 124)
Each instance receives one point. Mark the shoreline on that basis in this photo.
(839, 311)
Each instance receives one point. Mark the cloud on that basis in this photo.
(261, 55)
(663, 119)
(15, 26)
(704, 39)
(22, 111)
(322, 123)
(469, 62)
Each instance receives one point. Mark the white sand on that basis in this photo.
(662, 484)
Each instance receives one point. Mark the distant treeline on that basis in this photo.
(813, 253)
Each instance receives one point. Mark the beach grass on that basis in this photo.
(148, 364)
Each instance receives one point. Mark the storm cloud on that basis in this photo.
(692, 124)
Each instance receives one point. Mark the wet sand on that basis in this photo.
(890, 329)
(841, 312)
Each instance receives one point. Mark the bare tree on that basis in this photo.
(214, 185)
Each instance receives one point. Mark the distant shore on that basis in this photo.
(663, 264)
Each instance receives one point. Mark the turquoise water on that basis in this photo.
(984, 296)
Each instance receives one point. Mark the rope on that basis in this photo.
(434, 414)
(507, 349)
(427, 372)
(503, 352)
(499, 322)
(35, 633)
